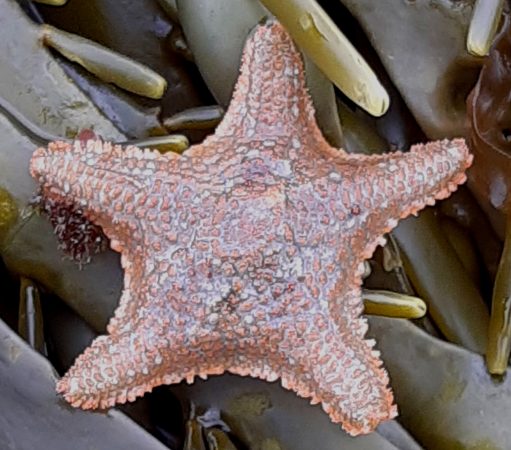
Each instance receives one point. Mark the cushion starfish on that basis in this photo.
(245, 253)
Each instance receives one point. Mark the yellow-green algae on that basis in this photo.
(218, 440)
(452, 390)
(483, 26)
(33, 131)
(171, 142)
(270, 444)
(499, 333)
(106, 64)
(193, 437)
(443, 443)
(422, 45)
(8, 212)
(200, 118)
(249, 405)
(463, 208)
(443, 391)
(392, 304)
(51, 2)
(177, 143)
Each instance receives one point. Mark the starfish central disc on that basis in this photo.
(245, 253)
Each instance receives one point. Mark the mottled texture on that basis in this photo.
(245, 253)
(78, 237)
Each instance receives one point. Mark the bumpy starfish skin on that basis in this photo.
(245, 254)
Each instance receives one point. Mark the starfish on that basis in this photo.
(245, 254)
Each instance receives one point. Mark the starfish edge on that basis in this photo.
(288, 381)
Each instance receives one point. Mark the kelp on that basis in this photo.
(138, 30)
(490, 179)
(106, 64)
(392, 304)
(266, 416)
(33, 416)
(202, 434)
(483, 26)
(170, 8)
(41, 91)
(499, 333)
(465, 210)
(446, 397)
(52, 2)
(461, 242)
(200, 118)
(489, 118)
(421, 43)
(30, 317)
(434, 268)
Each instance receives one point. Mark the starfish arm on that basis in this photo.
(270, 98)
(117, 368)
(381, 190)
(109, 182)
(318, 360)
(347, 377)
(337, 366)
(353, 384)
(148, 343)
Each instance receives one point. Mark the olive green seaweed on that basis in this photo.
(35, 83)
(218, 440)
(193, 436)
(23, 124)
(34, 417)
(139, 30)
(359, 132)
(463, 207)
(438, 276)
(422, 45)
(483, 26)
(261, 413)
(51, 2)
(200, 118)
(316, 33)
(106, 64)
(392, 304)
(446, 397)
(177, 143)
(499, 332)
(464, 247)
(171, 142)
(8, 212)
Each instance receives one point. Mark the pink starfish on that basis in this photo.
(245, 254)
